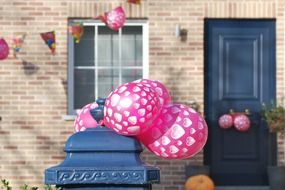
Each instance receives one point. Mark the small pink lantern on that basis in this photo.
(178, 133)
(226, 121)
(131, 109)
(115, 19)
(4, 49)
(160, 89)
(84, 118)
(241, 122)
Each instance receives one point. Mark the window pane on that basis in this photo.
(84, 51)
(108, 80)
(83, 87)
(129, 75)
(132, 46)
(108, 47)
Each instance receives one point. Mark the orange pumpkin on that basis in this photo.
(199, 182)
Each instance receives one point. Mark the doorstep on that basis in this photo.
(242, 188)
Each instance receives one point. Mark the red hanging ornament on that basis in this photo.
(226, 121)
(4, 49)
(241, 122)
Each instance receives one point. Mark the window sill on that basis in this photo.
(69, 117)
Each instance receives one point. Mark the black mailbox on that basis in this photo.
(101, 159)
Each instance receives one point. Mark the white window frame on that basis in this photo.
(96, 23)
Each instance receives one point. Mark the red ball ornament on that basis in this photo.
(226, 121)
(241, 122)
(179, 132)
(4, 49)
(131, 109)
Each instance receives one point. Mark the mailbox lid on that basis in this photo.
(101, 139)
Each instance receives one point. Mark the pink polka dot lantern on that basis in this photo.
(226, 121)
(115, 19)
(131, 109)
(4, 49)
(160, 89)
(84, 118)
(178, 133)
(241, 122)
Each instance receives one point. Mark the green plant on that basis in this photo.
(274, 115)
(26, 187)
(4, 185)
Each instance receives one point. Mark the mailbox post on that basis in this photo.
(100, 159)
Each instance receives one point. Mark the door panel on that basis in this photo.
(239, 75)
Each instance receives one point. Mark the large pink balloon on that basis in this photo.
(241, 122)
(84, 118)
(160, 89)
(116, 18)
(4, 49)
(226, 121)
(161, 124)
(131, 109)
(179, 132)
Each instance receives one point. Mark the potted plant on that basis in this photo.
(274, 116)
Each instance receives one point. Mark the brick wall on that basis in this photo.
(33, 96)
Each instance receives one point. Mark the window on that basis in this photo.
(104, 59)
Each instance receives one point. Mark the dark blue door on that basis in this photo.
(239, 74)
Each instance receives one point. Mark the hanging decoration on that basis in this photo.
(142, 109)
(115, 19)
(76, 31)
(84, 118)
(226, 121)
(178, 133)
(131, 109)
(241, 122)
(17, 44)
(138, 2)
(4, 49)
(49, 38)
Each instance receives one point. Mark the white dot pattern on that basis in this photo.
(84, 118)
(181, 136)
(131, 109)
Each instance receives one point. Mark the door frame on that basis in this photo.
(272, 157)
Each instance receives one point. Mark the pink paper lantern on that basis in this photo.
(241, 122)
(84, 118)
(226, 121)
(178, 133)
(4, 49)
(131, 109)
(115, 19)
(160, 89)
